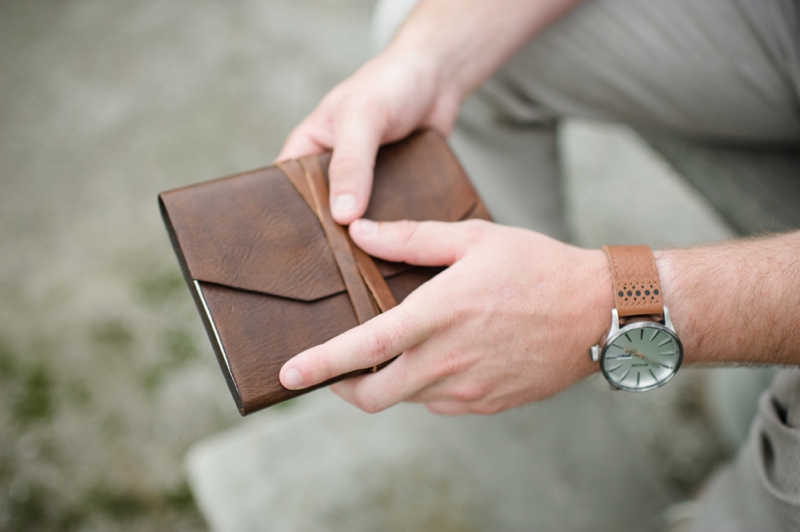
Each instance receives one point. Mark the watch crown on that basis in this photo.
(595, 352)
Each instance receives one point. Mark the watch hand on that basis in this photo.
(643, 357)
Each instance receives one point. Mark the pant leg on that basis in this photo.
(514, 168)
(726, 69)
(760, 491)
(509, 149)
(721, 69)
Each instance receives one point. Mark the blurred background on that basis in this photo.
(106, 375)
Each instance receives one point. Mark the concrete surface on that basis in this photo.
(328, 466)
(106, 376)
(755, 188)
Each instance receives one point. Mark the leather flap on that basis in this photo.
(254, 232)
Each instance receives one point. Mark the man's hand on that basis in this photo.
(509, 322)
(384, 101)
(442, 53)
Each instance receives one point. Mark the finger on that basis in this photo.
(420, 243)
(342, 388)
(376, 341)
(351, 390)
(307, 138)
(359, 132)
(406, 376)
(448, 408)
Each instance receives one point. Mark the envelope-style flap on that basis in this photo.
(254, 232)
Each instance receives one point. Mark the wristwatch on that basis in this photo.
(642, 351)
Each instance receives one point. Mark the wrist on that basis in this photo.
(735, 302)
(431, 70)
(678, 298)
(468, 41)
(599, 301)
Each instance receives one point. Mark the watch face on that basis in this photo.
(641, 356)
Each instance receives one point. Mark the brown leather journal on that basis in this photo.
(272, 274)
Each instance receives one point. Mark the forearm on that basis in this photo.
(464, 41)
(736, 302)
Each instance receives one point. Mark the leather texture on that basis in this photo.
(272, 274)
(358, 271)
(637, 285)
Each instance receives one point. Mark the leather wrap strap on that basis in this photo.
(637, 285)
(359, 273)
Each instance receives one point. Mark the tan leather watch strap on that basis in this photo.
(637, 285)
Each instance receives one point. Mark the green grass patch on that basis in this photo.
(178, 349)
(112, 334)
(285, 405)
(34, 398)
(181, 499)
(121, 505)
(157, 289)
(79, 393)
(8, 361)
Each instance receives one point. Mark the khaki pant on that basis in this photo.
(727, 70)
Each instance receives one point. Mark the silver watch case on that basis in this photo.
(598, 352)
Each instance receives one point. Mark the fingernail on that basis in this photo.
(343, 205)
(292, 379)
(366, 227)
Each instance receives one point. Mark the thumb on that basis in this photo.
(358, 137)
(419, 243)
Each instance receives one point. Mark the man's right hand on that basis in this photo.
(385, 100)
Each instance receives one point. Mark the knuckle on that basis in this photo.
(371, 408)
(476, 229)
(349, 168)
(487, 409)
(443, 410)
(374, 101)
(390, 336)
(448, 365)
(407, 229)
(325, 368)
(369, 107)
(379, 345)
(367, 402)
(469, 392)
(301, 128)
(448, 313)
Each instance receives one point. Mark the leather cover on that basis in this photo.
(273, 275)
(637, 285)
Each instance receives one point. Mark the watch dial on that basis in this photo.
(641, 356)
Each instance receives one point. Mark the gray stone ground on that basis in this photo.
(106, 377)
